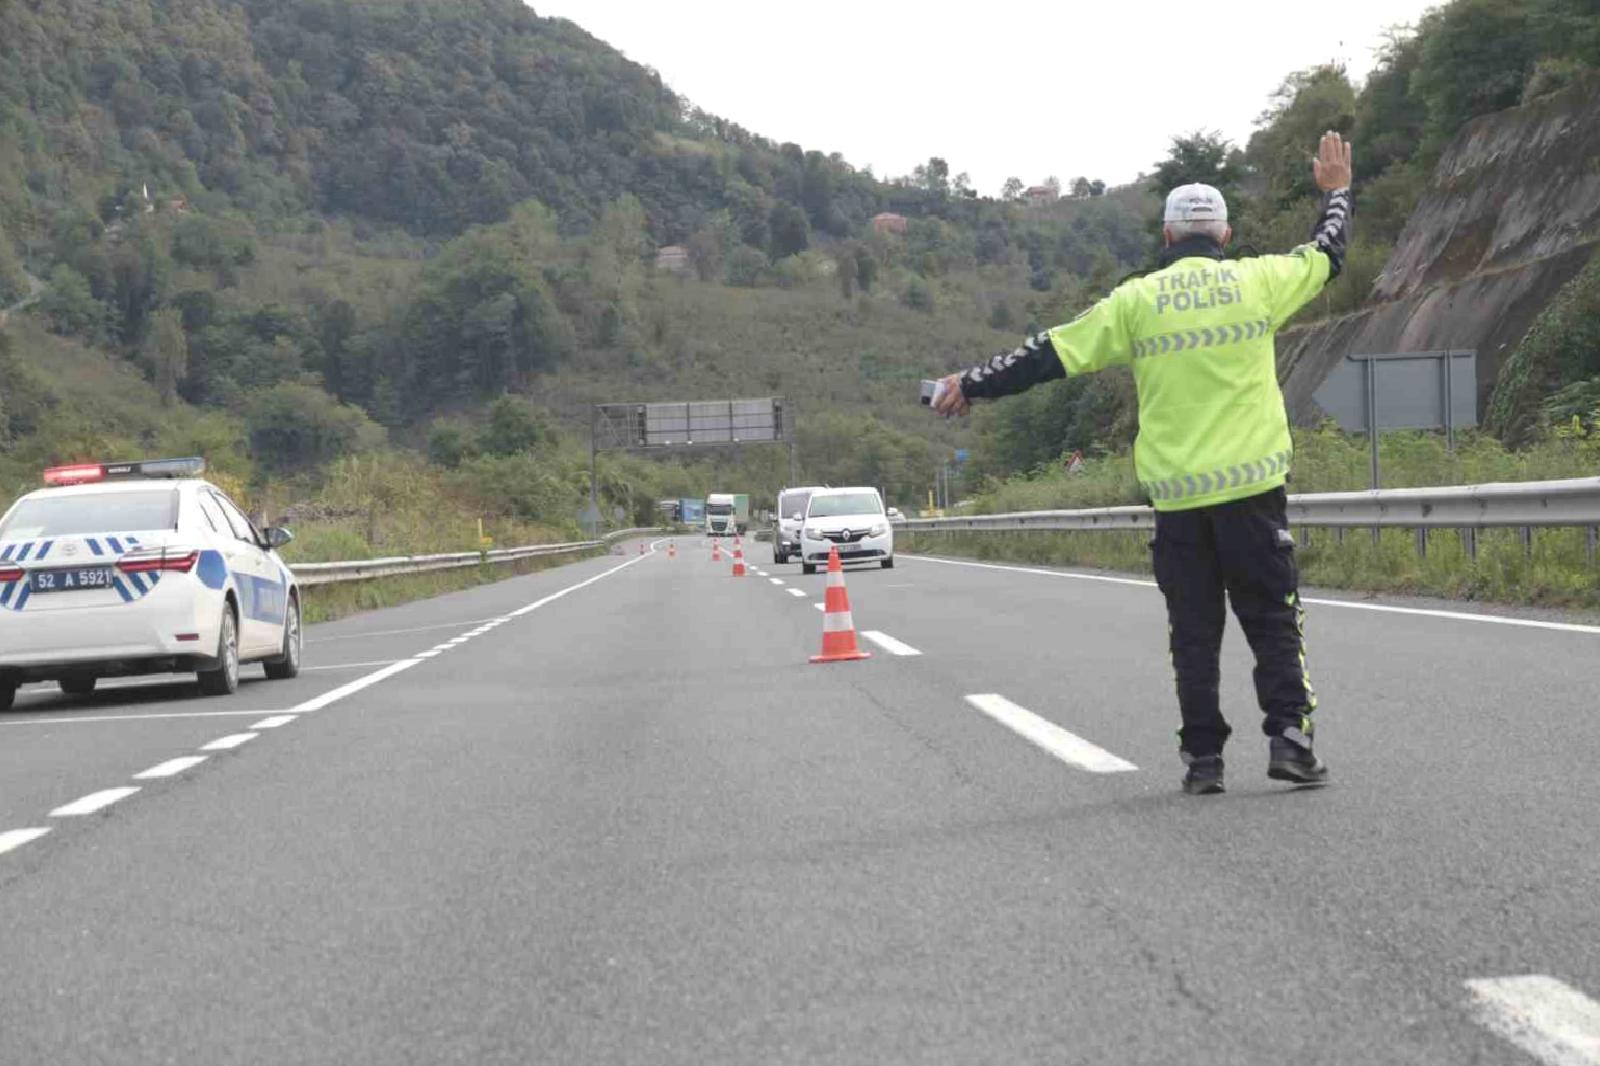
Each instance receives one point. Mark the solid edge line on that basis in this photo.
(12, 839)
(170, 768)
(132, 717)
(888, 643)
(351, 688)
(1068, 747)
(1425, 612)
(1547, 1018)
(94, 801)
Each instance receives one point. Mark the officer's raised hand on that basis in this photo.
(1331, 167)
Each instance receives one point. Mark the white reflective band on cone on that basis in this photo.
(836, 579)
(837, 622)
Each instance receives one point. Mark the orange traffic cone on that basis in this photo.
(672, 549)
(738, 558)
(641, 547)
(838, 627)
(716, 551)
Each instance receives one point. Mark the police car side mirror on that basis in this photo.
(277, 537)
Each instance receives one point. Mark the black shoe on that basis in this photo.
(1205, 775)
(1290, 758)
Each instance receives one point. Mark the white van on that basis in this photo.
(787, 522)
(850, 519)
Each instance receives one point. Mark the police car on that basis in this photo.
(116, 569)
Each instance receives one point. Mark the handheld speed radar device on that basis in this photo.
(932, 391)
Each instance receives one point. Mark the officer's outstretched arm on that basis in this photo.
(1096, 339)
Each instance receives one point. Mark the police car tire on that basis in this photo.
(77, 686)
(8, 695)
(808, 568)
(286, 665)
(220, 681)
(888, 564)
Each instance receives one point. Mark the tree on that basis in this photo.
(791, 233)
(513, 427)
(1303, 106)
(1011, 190)
(1476, 56)
(1080, 187)
(1097, 187)
(166, 353)
(293, 426)
(1053, 184)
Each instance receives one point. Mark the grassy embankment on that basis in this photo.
(1557, 571)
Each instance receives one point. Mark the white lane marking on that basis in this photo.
(94, 801)
(399, 632)
(86, 719)
(820, 606)
(431, 653)
(1550, 1020)
(1033, 570)
(274, 722)
(352, 666)
(776, 580)
(458, 642)
(170, 767)
(888, 643)
(351, 688)
(1068, 747)
(15, 838)
(536, 604)
(229, 742)
(796, 592)
(1425, 612)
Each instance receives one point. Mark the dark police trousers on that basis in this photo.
(1244, 549)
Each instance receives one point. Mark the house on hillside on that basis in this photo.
(888, 222)
(1040, 194)
(673, 257)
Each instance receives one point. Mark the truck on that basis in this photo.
(727, 513)
(691, 512)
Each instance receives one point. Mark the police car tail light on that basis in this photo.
(78, 474)
(181, 560)
(10, 573)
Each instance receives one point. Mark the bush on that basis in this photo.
(293, 427)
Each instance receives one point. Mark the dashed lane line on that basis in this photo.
(776, 580)
(1350, 605)
(229, 742)
(1547, 1018)
(170, 768)
(94, 801)
(820, 606)
(97, 801)
(801, 593)
(1068, 747)
(888, 643)
(15, 838)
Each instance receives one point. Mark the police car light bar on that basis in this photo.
(88, 473)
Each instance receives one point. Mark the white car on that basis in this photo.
(139, 568)
(852, 520)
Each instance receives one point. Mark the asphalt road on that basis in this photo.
(631, 824)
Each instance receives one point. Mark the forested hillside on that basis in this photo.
(352, 225)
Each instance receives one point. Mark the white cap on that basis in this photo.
(1195, 203)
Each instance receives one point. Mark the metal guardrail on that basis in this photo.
(312, 574)
(1527, 505)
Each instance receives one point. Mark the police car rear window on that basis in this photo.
(109, 512)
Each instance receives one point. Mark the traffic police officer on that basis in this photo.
(1213, 450)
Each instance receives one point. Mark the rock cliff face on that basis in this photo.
(1511, 215)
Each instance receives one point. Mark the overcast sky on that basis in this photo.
(1027, 88)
